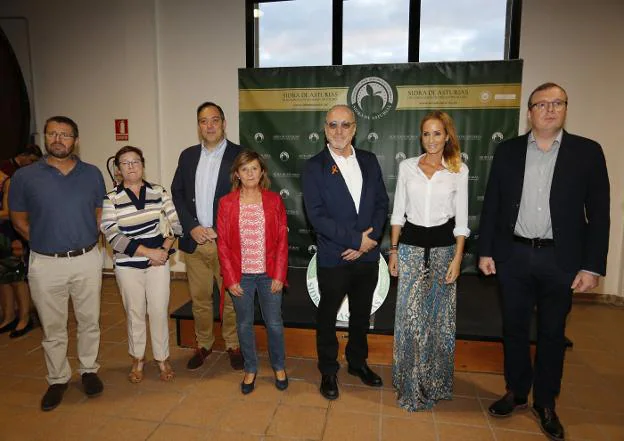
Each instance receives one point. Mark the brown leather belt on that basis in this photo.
(534, 243)
(72, 253)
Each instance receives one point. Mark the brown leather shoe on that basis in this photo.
(236, 359)
(197, 360)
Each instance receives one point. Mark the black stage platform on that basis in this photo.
(478, 308)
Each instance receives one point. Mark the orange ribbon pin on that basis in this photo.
(334, 169)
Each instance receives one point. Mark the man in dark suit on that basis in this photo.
(347, 204)
(544, 232)
(202, 177)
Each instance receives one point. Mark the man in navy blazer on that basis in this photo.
(545, 232)
(347, 204)
(202, 177)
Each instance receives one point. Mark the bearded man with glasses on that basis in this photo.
(56, 204)
(347, 204)
(545, 233)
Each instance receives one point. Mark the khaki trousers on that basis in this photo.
(53, 280)
(146, 291)
(202, 268)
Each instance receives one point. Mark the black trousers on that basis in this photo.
(531, 280)
(357, 281)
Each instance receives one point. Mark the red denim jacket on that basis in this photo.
(228, 233)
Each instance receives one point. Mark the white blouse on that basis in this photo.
(431, 202)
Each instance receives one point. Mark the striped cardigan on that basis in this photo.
(128, 221)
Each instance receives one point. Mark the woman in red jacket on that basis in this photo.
(253, 254)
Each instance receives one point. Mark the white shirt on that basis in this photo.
(431, 202)
(351, 173)
(206, 182)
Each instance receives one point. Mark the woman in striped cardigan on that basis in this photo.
(132, 218)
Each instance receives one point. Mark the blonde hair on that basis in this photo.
(451, 152)
(244, 158)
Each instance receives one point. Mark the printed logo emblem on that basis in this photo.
(400, 156)
(372, 137)
(485, 96)
(284, 156)
(259, 137)
(497, 137)
(379, 295)
(313, 137)
(312, 249)
(372, 98)
(464, 157)
(284, 193)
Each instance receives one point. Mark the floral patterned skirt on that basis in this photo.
(424, 328)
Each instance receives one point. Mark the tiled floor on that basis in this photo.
(207, 405)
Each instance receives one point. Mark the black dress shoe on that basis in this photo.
(549, 422)
(247, 388)
(329, 386)
(367, 376)
(92, 384)
(19, 332)
(53, 396)
(9, 326)
(281, 384)
(506, 405)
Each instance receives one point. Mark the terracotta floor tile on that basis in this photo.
(306, 370)
(122, 429)
(358, 399)
(522, 420)
(347, 426)
(247, 417)
(488, 385)
(401, 429)
(464, 385)
(151, 405)
(302, 393)
(197, 411)
(456, 432)
(612, 426)
(298, 422)
(460, 410)
(231, 436)
(169, 432)
(582, 424)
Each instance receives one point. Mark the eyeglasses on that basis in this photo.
(130, 163)
(62, 135)
(542, 106)
(206, 121)
(346, 125)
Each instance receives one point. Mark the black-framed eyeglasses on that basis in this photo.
(542, 106)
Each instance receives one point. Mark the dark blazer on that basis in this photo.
(331, 210)
(579, 203)
(183, 190)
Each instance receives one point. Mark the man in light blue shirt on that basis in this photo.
(201, 179)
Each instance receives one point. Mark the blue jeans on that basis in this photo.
(271, 308)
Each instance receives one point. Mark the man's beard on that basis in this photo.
(59, 155)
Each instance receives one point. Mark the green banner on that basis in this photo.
(282, 112)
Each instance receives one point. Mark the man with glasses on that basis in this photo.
(347, 204)
(56, 204)
(201, 179)
(544, 232)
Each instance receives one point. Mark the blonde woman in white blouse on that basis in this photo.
(429, 227)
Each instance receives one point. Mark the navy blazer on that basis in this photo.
(331, 211)
(183, 190)
(579, 203)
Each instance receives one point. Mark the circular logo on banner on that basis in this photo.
(259, 137)
(313, 137)
(464, 157)
(372, 98)
(284, 156)
(400, 156)
(497, 137)
(485, 96)
(284, 193)
(312, 249)
(379, 296)
(372, 137)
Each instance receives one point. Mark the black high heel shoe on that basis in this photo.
(20, 332)
(247, 388)
(9, 326)
(281, 384)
